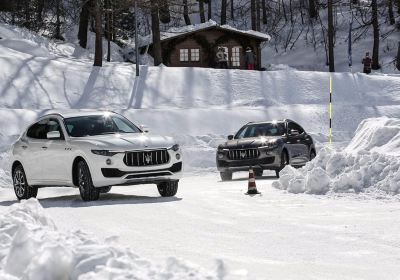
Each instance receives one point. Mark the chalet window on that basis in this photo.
(236, 56)
(184, 55)
(195, 54)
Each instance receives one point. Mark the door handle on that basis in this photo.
(44, 148)
(24, 147)
(298, 140)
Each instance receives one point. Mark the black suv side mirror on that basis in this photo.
(230, 137)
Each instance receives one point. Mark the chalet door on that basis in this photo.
(236, 57)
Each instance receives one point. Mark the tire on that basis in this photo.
(168, 189)
(258, 172)
(86, 189)
(226, 176)
(284, 162)
(105, 189)
(21, 188)
(312, 155)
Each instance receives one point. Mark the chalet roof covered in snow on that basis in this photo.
(176, 32)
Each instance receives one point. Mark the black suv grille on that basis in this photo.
(146, 158)
(241, 154)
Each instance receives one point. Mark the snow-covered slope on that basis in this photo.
(370, 163)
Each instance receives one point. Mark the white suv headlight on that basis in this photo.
(105, 153)
(175, 147)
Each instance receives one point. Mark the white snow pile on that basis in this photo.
(31, 248)
(370, 163)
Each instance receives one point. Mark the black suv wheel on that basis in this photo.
(226, 176)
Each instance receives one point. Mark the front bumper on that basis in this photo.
(118, 173)
(268, 159)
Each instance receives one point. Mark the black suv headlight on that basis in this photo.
(105, 153)
(269, 145)
(175, 147)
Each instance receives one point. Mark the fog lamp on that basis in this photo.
(178, 156)
(220, 156)
(108, 161)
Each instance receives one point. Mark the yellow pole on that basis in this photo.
(330, 109)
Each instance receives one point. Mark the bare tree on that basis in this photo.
(312, 9)
(98, 52)
(201, 10)
(223, 11)
(390, 12)
(209, 9)
(258, 15)
(233, 10)
(186, 12)
(84, 23)
(375, 25)
(155, 27)
(264, 12)
(253, 14)
(331, 59)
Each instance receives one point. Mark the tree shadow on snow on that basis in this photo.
(104, 200)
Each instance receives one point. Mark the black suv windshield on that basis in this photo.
(99, 125)
(263, 129)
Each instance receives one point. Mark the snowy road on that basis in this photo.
(274, 236)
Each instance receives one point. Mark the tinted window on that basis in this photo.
(294, 126)
(39, 130)
(264, 129)
(98, 125)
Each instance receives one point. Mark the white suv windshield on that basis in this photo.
(98, 125)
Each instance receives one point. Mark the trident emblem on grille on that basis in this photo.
(243, 154)
(148, 158)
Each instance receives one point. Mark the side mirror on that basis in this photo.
(230, 137)
(53, 135)
(294, 132)
(144, 128)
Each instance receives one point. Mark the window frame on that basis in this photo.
(197, 55)
(186, 55)
(46, 124)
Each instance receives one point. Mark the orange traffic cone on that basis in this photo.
(252, 188)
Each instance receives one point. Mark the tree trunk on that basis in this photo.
(390, 11)
(201, 9)
(398, 58)
(108, 28)
(331, 59)
(233, 10)
(264, 12)
(375, 25)
(57, 34)
(258, 15)
(39, 11)
(98, 52)
(253, 15)
(155, 27)
(186, 12)
(312, 9)
(27, 22)
(209, 9)
(223, 11)
(83, 24)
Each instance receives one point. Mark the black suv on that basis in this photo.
(265, 145)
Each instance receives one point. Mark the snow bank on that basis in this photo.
(31, 247)
(370, 163)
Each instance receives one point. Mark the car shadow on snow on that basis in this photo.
(104, 200)
(247, 178)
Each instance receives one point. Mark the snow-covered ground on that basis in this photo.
(278, 235)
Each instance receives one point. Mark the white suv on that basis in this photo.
(92, 151)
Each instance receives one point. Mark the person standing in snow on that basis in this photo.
(250, 59)
(367, 61)
(221, 59)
